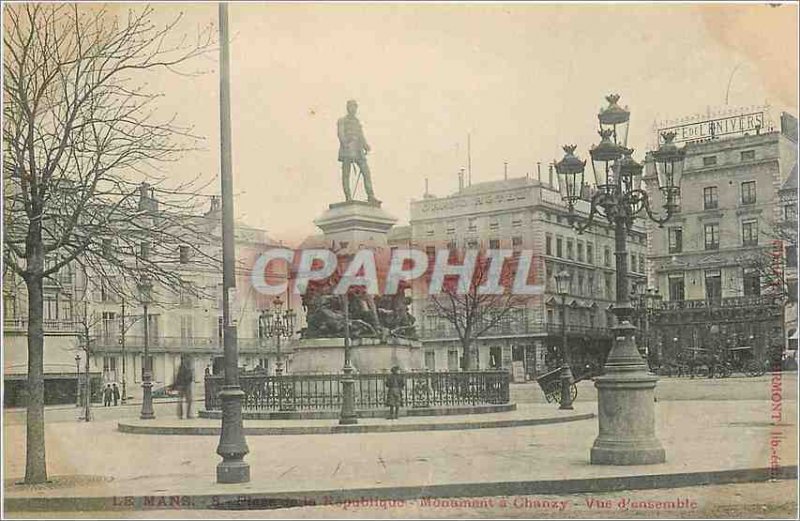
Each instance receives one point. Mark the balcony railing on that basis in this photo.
(523, 327)
(178, 343)
(20, 325)
(727, 302)
(324, 392)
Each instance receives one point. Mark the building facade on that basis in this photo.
(522, 214)
(716, 262)
(78, 307)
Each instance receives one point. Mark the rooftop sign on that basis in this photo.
(698, 129)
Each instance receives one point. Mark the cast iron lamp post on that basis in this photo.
(348, 414)
(563, 279)
(145, 286)
(626, 410)
(277, 324)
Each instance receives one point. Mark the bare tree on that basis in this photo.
(81, 133)
(473, 313)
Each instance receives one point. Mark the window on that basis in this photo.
(580, 251)
(675, 240)
(50, 307)
(633, 262)
(550, 319)
(711, 232)
(580, 284)
(570, 249)
(516, 241)
(590, 284)
(751, 282)
(472, 224)
(144, 249)
(548, 244)
(749, 192)
(790, 212)
(107, 247)
(430, 230)
(609, 286)
(559, 247)
(676, 199)
(187, 327)
(748, 155)
(709, 160)
(494, 244)
(710, 198)
(183, 251)
(516, 220)
(791, 255)
(109, 364)
(451, 227)
(494, 225)
(676, 287)
(713, 285)
(589, 253)
(430, 360)
(750, 233)
(641, 264)
(109, 324)
(792, 290)
(607, 257)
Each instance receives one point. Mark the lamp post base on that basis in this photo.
(348, 415)
(626, 407)
(232, 445)
(147, 401)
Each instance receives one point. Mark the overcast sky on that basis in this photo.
(521, 79)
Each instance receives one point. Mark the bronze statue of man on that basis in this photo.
(353, 148)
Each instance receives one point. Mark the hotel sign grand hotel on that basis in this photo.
(710, 128)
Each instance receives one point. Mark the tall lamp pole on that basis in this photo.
(348, 414)
(232, 445)
(625, 393)
(563, 279)
(147, 413)
(277, 324)
(122, 345)
(78, 380)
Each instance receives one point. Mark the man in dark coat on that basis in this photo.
(394, 392)
(183, 384)
(115, 393)
(107, 392)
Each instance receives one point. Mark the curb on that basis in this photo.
(275, 500)
(365, 413)
(349, 429)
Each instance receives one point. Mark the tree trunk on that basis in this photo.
(35, 462)
(470, 355)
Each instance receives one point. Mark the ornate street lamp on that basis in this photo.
(626, 412)
(277, 324)
(145, 288)
(563, 279)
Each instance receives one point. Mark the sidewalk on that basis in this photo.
(705, 442)
(522, 415)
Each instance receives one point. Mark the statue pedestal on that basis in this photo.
(367, 355)
(356, 223)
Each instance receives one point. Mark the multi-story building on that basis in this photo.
(714, 262)
(522, 214)
(179, 323)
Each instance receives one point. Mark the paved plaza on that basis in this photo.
(700, 436)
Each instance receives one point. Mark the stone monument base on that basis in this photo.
(367, 355)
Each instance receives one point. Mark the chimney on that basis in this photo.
(214, 203)
(539, 171)
(147, 201)
(505, 170)
(460, 180)
(426, 187)
(550, 174)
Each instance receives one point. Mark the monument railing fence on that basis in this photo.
(310, 392)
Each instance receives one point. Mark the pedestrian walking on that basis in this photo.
(183, 384)
(115, 393)
(394, 388)
(107, 394)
